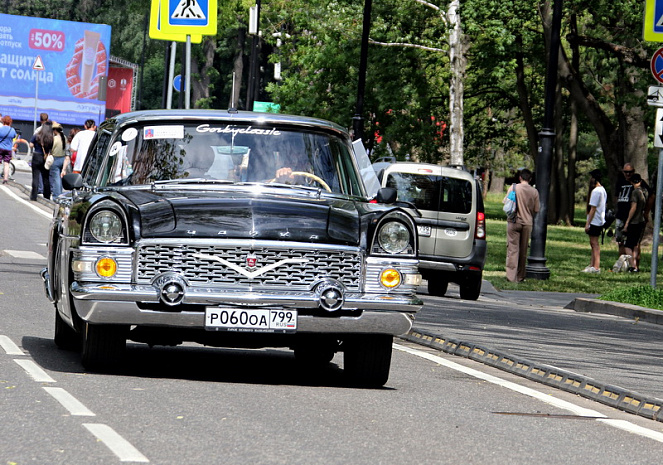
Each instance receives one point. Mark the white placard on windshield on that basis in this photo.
(367, 172)
(163, 132)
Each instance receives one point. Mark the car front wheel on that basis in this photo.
(367, 359)
(65, 337)
(103, 346)
(437, 286)
(470, 289)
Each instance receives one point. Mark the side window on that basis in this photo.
(456, 195)
(95, 157)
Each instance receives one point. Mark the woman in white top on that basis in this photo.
(595, 218)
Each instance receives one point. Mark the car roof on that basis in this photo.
(427, 168)
(225, 115)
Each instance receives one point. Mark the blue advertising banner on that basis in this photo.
(69, 60)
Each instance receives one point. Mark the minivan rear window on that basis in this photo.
(428, 192)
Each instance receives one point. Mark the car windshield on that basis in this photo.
(430, 192)
(231, 153)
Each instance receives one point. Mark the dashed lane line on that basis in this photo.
(116, 443)
(548, 399)
(9, 347)
(73, 405)
(25, 254)
(34, 371)
(104, 433)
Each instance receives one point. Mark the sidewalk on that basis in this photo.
(606, 351)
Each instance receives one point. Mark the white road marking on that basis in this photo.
(34, 371)
(69, 402)
(559, 403)
(9, 347)
(26, 254)
(25, 202)
(116, 443)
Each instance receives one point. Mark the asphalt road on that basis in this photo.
(201, 405)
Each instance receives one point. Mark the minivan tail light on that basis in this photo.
(481, 226)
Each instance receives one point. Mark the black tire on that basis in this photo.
(437, 286)
(313, 357)
(12, 168)
(470, 289)
(367, 360)
(103, 346)
(65, 337)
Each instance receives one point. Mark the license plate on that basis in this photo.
(423, 230)
(251, 320)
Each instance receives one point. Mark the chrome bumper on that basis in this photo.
(116, 304)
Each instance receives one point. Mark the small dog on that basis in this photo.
(621, 265)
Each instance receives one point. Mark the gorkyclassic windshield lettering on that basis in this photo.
(230, 230)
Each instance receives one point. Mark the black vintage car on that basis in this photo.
(230, 229)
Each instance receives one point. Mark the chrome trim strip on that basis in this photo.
(370, 322)
(437, 266)
(375, 265)
(117, 293)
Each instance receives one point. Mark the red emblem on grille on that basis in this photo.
(251, 260)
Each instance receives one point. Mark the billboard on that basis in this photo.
(74, 67)
(120, 89)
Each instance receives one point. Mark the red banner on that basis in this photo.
(120, 86)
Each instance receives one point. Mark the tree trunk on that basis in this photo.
(457, 65)
(200, 85)
(557, 200)
(523, 101)
(238, 71)
(569, 214)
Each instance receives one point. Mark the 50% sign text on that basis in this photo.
(42, 39)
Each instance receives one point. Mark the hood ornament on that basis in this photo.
(251, 260)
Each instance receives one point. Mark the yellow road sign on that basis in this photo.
(188, 17)
(653, 24)
(158, 34)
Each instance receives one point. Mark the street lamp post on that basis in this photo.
(536, 262)
(358, 119)
(254, 69)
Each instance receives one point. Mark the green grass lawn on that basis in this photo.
(567, 253)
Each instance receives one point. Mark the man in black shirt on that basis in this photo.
(623, 189)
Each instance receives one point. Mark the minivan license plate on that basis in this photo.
(252, 320)
(423, 230)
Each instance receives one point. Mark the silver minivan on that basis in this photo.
(447, 205)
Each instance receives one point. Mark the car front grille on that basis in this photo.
(275, 265)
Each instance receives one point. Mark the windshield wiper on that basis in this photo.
(191, 181)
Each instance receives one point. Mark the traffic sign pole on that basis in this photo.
(38, 66)
(187, 77)
(657, 220)
(171, 73)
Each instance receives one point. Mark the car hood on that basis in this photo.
(245, 215)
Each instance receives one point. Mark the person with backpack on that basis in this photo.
(7, 134)
(519, 229)
(635, 223)
(596, 203)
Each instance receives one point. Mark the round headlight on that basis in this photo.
(106, 226)
(394, 237)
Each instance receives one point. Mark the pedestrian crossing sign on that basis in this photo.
(188, 17)
(653, 24)
(156, 32)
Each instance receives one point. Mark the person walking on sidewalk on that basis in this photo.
(635, 223)
(7, 134)
(519, 230)
(596, 202)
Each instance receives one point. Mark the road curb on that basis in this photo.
(618, 309)
(614, 396)
(26, 191)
